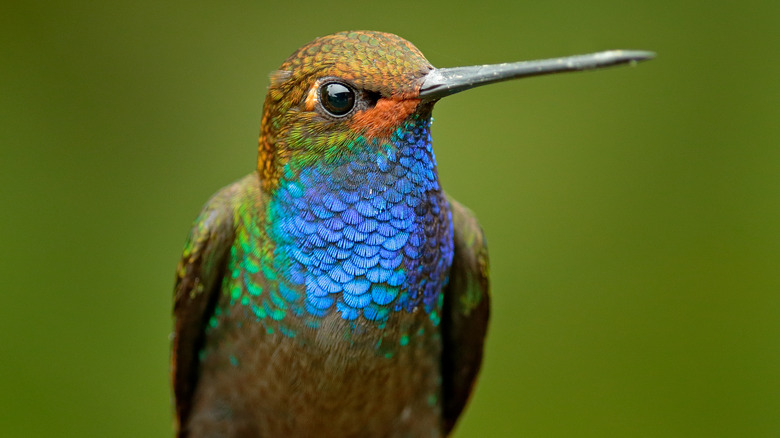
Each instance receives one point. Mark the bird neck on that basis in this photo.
(365, 235)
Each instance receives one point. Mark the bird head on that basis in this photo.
(337, 93)
(344, 91)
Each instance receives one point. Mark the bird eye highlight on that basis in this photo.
(337, 98)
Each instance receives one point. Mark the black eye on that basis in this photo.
(337, 98)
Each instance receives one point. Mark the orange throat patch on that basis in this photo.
(384, 117)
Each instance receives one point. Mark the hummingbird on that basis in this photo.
(337, 290)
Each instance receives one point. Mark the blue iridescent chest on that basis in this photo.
(366, 235)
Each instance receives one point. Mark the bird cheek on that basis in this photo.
(382, 119)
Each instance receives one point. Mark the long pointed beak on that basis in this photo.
(441, 82)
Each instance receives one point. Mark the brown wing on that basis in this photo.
(198, 280)
(465, 314)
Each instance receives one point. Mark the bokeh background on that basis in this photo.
(633, 214)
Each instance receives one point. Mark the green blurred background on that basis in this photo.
(633, 214)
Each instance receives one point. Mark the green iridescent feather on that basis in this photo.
(465, 314)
